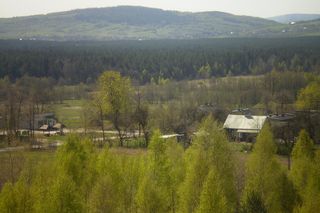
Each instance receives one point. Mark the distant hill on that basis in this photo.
(137, 23)
(295, 18)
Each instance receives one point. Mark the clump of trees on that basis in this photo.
(167, 178)
(116, 101)
(23, 99)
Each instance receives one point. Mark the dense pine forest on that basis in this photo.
(155, 60)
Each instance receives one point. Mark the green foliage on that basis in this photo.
(302, 158)
(65, 196)
(254, 203)
(7, 199)
(213, 197)
(17, 197)
(311, 199)
(263, 176)
(164, 169)
(309, 97)
(114, 92)
(165, 178)
(75, 159)
(209, 151)
(159, 60)
(205, 71)
(305, 173)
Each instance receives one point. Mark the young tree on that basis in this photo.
(107, 193)
(302, 158)
(163, 172)
(213, 198)
(311, 198)
(209, 152)
(65, 196)
(152, 194)
(141, 115)
(264, 185)
(309, 97)
(16, 197)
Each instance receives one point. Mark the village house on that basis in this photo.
(244, 127)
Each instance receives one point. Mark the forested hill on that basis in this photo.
(145, 61)
(128, 22)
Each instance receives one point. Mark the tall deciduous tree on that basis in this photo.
(115, 93)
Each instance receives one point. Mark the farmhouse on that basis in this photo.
(244, 127)
(43, 121)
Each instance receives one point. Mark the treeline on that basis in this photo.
(171, 106)
(180, 106)
(22, 100)
(204, 178)
(153, 61)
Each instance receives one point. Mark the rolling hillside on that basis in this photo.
(285, 19)
(128, 22)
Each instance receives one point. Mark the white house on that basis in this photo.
(244, 127)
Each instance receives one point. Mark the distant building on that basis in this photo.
(244, 127)
(40, 120)
(45, 119)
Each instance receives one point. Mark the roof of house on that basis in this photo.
(44, 127)
(244, 122)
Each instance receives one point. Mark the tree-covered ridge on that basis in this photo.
(128, 22)
(147, 61)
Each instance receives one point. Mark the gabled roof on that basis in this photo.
(244, 122)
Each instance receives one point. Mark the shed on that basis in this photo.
(244, 127)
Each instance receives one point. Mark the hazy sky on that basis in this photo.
(261, 8)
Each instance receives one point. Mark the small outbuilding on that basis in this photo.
(244, 127)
